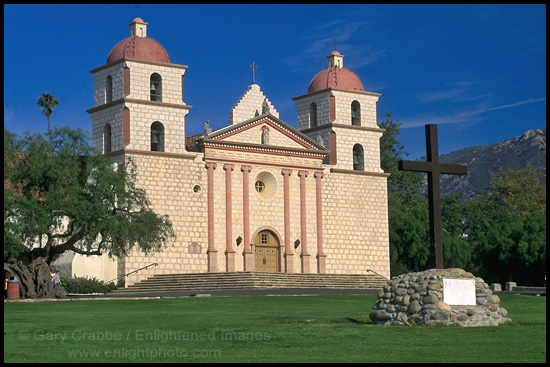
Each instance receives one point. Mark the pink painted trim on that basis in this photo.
(210, 179)
(246, 207)
(125, 126)
(126, 81)
(303, 211)
(286, 173)
(228, 208)
(282, 129)
(263, 164)
(333, 150)
(318, 177)
(263, 149)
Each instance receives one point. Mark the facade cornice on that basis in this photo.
(261, 148)
(273, 122)
(138, 101)
(343, 126)
(140, 61)
(359, 173)
(337, 90)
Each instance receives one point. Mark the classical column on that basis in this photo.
(248, 254)
(304, 255)
(229, 252)
(321, 257)
(289, 254)
(211, 252)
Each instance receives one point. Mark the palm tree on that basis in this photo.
(47, 103)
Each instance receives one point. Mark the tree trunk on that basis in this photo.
(35, 278)
(49, 131)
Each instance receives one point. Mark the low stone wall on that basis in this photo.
(415, 297)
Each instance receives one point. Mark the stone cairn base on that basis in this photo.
(414, 298)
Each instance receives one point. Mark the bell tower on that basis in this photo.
(338, 111)
(138, 98)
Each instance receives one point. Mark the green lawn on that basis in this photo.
(258, 329)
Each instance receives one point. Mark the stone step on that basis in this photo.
(252, 280)
(227, 287)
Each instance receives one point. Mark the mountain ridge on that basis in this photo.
(516, 153)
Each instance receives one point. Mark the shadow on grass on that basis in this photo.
(339, 321)
(359, 321)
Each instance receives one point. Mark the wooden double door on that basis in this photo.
(266, 249)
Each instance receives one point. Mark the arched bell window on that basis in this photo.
(358, 157)
(156, 88)
(313, 115)
(109, 89)
(157, 137)
(355, 113)
(107, 139)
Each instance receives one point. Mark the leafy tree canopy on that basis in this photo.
(67, 197)
(507, 228)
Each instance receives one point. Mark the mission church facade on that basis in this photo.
(258, 194)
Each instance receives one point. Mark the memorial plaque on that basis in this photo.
(459, 292)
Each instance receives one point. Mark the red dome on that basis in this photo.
(335, 78)
(143, 48)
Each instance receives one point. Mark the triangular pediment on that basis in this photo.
(264, 133)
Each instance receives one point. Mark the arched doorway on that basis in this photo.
(266, 252)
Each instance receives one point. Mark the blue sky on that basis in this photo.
(478, 71)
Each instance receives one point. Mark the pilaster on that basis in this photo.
(321, 257)
(229, 252)
(248, 254)
(211, 252)
(289, 254)
(304, 255)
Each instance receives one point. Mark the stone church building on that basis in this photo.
(258, 194)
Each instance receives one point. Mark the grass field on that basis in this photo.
(258, 329)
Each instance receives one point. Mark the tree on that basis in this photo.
(507, 228)
(47, 103)
(521, 191)
(457, 251)
(65, 196)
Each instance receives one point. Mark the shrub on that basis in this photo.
(85, 285)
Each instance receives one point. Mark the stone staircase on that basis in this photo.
(200, 282)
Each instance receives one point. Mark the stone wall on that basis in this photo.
(170, 183)
(418, 297)
(355, 216)
(250, 102)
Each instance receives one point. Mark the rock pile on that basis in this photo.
(418, 297)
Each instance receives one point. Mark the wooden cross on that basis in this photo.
(434, 168)
(253, 67)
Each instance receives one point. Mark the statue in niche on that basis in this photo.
(265, 135)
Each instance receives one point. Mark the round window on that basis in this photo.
(265, 185)
(260, 186)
